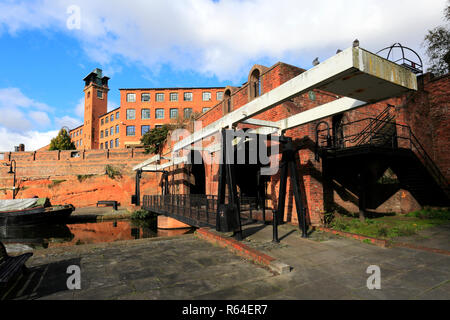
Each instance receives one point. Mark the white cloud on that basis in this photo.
(20, 112)
(21, 120)
(67, 121)
(14, 98)
(14, 119)
(40, 119)
(79, 108)
(32, 140)
(224, 38)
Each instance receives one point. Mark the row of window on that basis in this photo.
(109, 132)
(145, 114)
(79, 143)
(110, 118)
(187, 96)
(131, 130)
(110, 145)
(159, 113)
(76, 133)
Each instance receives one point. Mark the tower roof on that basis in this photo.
(96, 76)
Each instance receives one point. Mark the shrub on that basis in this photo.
(382, 231)
(154, 139)
(340, 224)
(141, 215)
(328, 218)
(113, 172)
(82, 177)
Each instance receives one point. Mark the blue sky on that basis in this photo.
(160, 43)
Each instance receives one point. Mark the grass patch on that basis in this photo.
(430, 213)
(55, 183)
(82, 177)
(388, 227)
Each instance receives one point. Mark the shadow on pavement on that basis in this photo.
(41, 281)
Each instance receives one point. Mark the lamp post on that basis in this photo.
(11, 171)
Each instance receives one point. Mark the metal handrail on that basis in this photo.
(195, 208)
(431, 165)
(414, 144)
(380, 117)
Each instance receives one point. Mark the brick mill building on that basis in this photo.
(140, 110)
(388, 154)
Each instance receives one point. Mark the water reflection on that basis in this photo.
(49, 236)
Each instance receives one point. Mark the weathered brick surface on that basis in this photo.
(80, 180)
(425, 111)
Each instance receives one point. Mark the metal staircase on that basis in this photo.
(395, 146)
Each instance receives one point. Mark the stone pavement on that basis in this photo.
(437, 237)
(186, 267)
(182, 267)
(331, 267)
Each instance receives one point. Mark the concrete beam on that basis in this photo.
(159, 167)
(147, 162)
(354, 73)
(320, 112)
(262, 123)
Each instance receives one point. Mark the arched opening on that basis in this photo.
(227, 107)
(196, 173)
(255, 84)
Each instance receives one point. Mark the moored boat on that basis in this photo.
(32, 211)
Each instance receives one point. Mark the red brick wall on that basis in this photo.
(438, 98)
(425, 111)
(81, 181)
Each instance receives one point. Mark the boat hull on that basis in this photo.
(36, 215)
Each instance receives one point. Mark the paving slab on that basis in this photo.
(187, 267)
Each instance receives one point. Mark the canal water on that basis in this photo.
(43, 236)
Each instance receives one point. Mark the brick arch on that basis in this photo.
(254, 84)
(227, 103)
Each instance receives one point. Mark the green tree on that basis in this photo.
(437, 43)
(154, 139)
(62, 142)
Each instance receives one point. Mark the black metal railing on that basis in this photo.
(196, 210)
(200, 210)
(383, 119)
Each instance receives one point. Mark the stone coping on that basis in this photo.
(383, 243)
